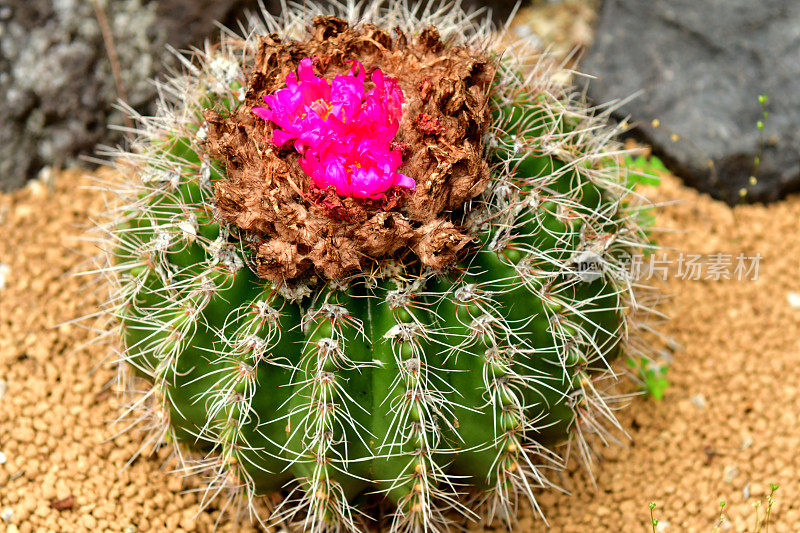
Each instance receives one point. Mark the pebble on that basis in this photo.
(699, 401)
(7, 515)
(731, 471)
(794, 299)
(3, 388)
(89, 522)
(4, 271)
(175, 483)
(3, 458)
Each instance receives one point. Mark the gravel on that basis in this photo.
(740, 341)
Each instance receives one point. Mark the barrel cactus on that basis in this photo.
(367, 262)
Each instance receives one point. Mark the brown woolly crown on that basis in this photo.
(297, 230)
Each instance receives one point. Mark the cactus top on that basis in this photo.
(342, 131)
(369, 152)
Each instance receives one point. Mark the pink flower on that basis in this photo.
(362, 170)
(289, 108)
(343, 132)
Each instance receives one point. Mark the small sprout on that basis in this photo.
(653, 521)
(644, 170)
(770, 502)
(721, 518)
(762, 100)
(652, 376)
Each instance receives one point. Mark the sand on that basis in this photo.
(726, 428)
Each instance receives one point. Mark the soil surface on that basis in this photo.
(726, 428)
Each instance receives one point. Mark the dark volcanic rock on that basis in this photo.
(701, 65)
(56, 80)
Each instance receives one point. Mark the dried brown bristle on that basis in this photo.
(298, 230)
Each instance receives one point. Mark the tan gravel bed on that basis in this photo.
(726, 427)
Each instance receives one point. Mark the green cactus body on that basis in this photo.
(421, 386)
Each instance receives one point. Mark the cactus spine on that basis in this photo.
(424, 387)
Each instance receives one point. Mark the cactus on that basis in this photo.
(448, 369)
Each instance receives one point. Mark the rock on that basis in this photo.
(57, 79)
(699, 401)
(63, 504)
(701, 65)
(730, 472)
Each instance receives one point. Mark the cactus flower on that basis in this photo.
(343, 131)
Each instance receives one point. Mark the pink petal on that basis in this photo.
(280, 137)
(263, 113)
(306, 70)
(401, 180)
